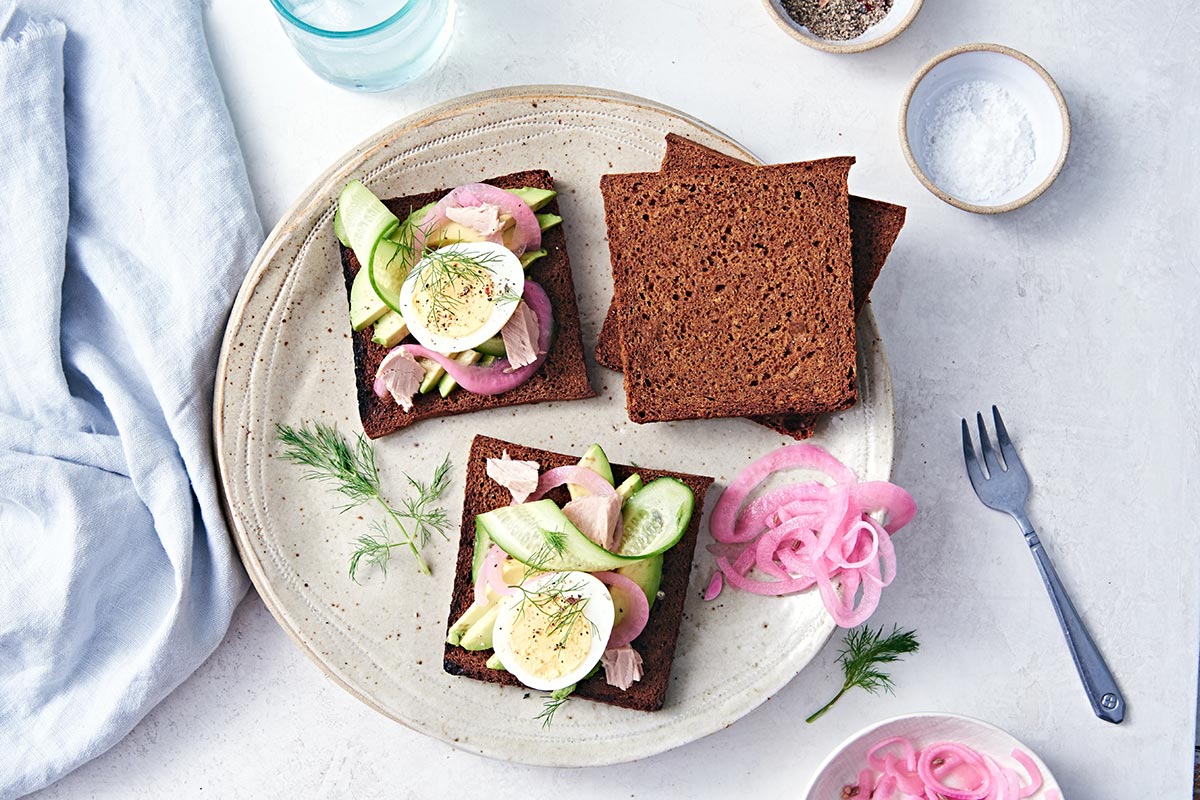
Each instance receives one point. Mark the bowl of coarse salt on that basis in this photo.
(985, 128)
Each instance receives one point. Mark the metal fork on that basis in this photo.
(1005, 488)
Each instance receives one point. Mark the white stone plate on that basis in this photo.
(287, 358)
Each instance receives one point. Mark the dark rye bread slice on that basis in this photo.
(732, 319)
(656, 644)
(874, 226)
(562, 377)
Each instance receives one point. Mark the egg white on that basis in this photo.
(599, 611)
(508, 276)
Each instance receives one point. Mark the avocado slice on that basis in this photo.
(453, 233)
(595, 460)
(433, 373)
(447, 384)
(493, 662)
(534, 198)
(629, 486)
(548, 221)
(366, 307)
(493, 347)
(468, 619)
(479, 635)
(647, 574)
(390, 329)
(532, 256)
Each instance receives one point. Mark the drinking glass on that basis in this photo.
(367, 45)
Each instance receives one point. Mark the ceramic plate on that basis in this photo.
(287, 358)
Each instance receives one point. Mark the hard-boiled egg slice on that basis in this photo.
(552, 630)
(459, 296)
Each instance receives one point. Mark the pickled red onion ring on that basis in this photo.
(932, 772)
(493, 570)
(582, 476)
(637, 608)
(810, 533)
(497, 377)
(796, 456)
(1031, 769)
(528, 231)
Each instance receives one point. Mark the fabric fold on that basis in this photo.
(127, 226)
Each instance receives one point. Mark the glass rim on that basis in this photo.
(291, 18)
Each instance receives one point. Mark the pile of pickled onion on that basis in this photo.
(897, 770)
(809, 534)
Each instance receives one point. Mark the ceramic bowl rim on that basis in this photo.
(976, 208)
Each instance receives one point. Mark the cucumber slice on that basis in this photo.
(390, 329)
(628, 487)
(524, 532)
(389, 268)
(655, 517)
(447, 384)
(364, 220)
(339, 230)
(418, 216)
(532, 256)
(548, 221)
(595, 460)
(647, 574)
(366, 307)
(534, 198)
(483, 543)
(492, 347)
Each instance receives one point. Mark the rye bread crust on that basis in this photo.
(562, 377)
(748, 325)
(874, 226)
(656, 644)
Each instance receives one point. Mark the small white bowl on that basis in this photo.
(901, 15)
(841, 767)
(1025, 80)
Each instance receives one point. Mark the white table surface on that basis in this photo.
(1075, 314)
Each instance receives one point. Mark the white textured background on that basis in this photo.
(1075, 314)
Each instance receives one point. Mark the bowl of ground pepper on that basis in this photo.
(844, 26)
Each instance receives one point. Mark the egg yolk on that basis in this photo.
(550, 637)
(458, 303)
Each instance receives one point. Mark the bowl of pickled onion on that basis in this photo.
(933, 755)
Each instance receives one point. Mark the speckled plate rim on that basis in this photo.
(793, 29)
(1047, 776)
(1024, 199)
(319, 194)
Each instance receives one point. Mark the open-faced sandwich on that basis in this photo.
(460, 300)
(572, 574)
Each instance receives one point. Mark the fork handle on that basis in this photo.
(1098, 681)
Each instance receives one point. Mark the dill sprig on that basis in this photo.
(351, 470)
(556, 700)
(863, 650)
(439, 270)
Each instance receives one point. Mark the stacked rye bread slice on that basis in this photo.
(769, 265)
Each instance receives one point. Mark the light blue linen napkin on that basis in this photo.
(126, 224)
